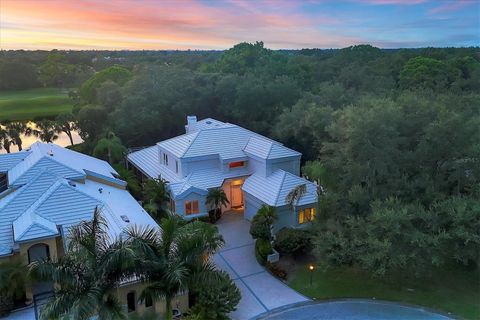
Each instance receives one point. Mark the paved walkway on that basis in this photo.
(261, 292)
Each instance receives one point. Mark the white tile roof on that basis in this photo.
(61, 161)
(268, 149)
(274, 189)
(148, 161)
(9, 160)
(224, 139)
(47, 199)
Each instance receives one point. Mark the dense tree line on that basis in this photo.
(393, 136)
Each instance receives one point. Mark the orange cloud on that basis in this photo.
(128, 24)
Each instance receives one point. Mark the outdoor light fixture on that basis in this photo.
(311, 267)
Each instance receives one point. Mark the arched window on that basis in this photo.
(38, 252)
(131, 301)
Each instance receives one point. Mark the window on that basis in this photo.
(306, 215)
(165, 159)
(3, 182)
(131, 303)
(38, 252)
(236, 164)
(176, 166)
(191, 207)
(172, 205)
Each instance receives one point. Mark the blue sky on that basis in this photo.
(216, 24)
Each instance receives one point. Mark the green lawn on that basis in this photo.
(452, 291)
(33, 104)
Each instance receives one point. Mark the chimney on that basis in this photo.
(191, 124)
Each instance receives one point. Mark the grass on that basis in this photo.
(451, 291)
(33, 104)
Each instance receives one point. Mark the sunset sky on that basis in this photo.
(215, 24)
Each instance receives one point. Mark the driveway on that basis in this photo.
(261, 292)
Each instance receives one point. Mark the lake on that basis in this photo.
(62, 140)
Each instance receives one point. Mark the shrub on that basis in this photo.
(262, 222)
(215, 299)
(292, 241)
(277, 271)
(262, 249)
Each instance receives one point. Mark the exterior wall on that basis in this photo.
(257, 166)
(291, 165)
(285, 216)
(55, 247)
(226, 188)
(180, 205)
(171, 162)
(159, 307)
(252, 204)
(199, 164)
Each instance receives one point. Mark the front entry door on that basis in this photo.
(237, 196)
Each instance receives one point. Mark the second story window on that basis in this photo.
(176, 166)
(165, 159)
(236, 164)
(191, 207)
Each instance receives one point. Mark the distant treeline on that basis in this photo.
(393, 136)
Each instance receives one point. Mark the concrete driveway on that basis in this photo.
(261, 292)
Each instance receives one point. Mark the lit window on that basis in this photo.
(191, 207)
(306, 215)
(131, 303)
(236, 164)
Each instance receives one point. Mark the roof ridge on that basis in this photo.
(25, 186)
(196, 133)
(281, 184)
(40, 200)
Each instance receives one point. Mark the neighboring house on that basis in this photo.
(252, 170)
(45, 190)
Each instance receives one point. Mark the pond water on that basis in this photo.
(62, 140)
(354, 309)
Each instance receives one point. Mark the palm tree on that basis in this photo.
(13, 279)
(110, 148)
(87, 274)
(295, 195)
(66, 122)
(46, 130)
(175, 258)
(157, 198)
(5, 141)
(15, 130)
(216, 198)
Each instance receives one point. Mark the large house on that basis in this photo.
(45, 190)
(252, 170)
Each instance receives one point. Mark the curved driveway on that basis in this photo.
(261, 292)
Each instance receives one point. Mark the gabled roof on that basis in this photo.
(32, 226)
(274, 189)
(45, 199)
(62, 162)
(10, 160)
(148, 160)
(268, 149)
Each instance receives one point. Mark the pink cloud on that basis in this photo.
(449, 6)
(395, 2)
